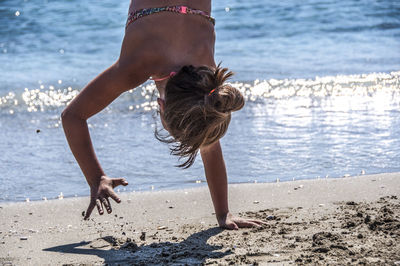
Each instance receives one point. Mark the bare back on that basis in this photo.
(170, 40)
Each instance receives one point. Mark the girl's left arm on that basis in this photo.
(215, 170)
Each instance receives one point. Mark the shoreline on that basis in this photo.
(202, 184)
(179, 221)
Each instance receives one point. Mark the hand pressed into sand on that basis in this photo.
(229, 221)
(100, 192)
(217, 181)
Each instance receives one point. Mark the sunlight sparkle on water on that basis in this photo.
(350, 92)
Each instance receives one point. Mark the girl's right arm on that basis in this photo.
(128, 72)
(215, 170)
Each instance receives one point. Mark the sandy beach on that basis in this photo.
(326, 221)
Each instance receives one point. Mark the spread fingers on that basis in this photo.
(99, 207)
(107, 205)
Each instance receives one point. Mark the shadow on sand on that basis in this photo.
(193, 250)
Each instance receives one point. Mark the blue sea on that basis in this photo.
(321, 79)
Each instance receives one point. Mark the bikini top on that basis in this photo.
(164, 78)
(135, 15)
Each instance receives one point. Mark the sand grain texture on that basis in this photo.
(329, 221)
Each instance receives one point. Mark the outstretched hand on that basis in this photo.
(100, 193)
(231, 222)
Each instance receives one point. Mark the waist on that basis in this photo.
(134, 15)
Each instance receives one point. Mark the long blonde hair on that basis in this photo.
(197, 110)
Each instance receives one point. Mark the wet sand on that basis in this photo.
(328, 221)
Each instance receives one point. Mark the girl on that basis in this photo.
(171, 41)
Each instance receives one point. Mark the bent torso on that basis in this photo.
(172, 40)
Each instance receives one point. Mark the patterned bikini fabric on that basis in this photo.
(177, 9)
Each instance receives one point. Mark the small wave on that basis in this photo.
(366, 85)
(143, 98)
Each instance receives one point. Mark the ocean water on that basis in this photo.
(321, 79)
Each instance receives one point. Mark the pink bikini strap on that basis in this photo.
(166, 77)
